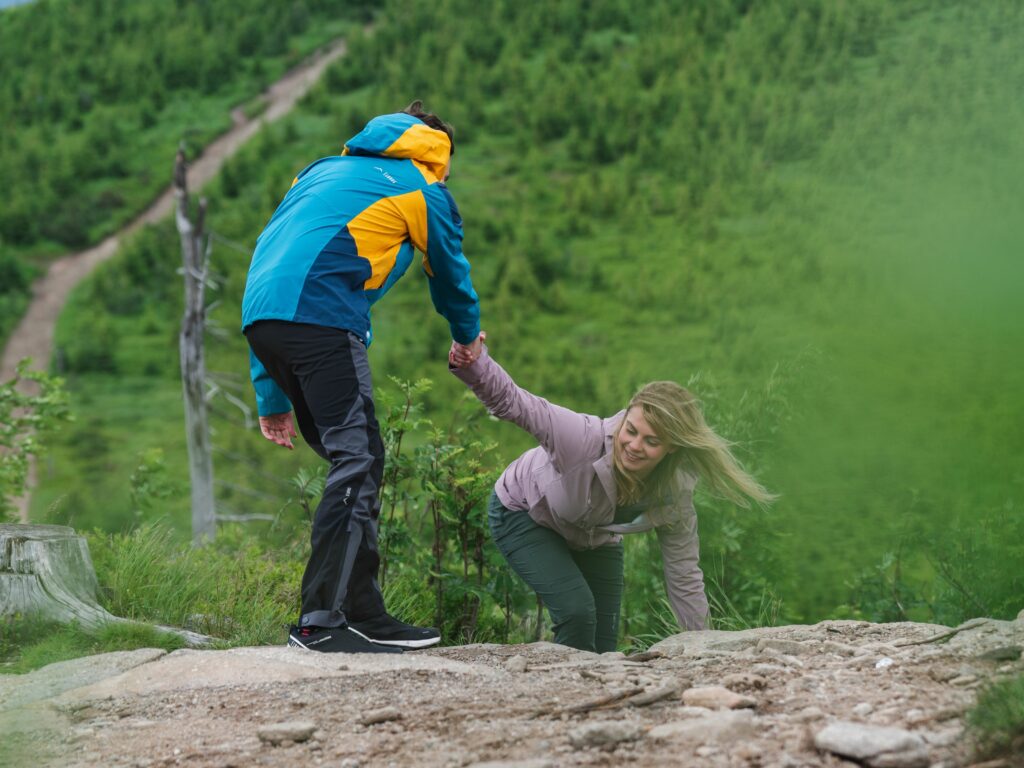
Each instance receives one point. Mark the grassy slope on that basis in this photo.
(146, 136)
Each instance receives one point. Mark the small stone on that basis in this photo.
(744, 681)
(1003, 653)
(713, 727)
(383, 715)
(884, 663)
(747, 752)
(942, 674)
(809, 715)
(296, 731)
(863, 709)
(915, 717)
(964, 680)
(787, 647)
(540, 762)
(716, 697)
(516, 664)
(604, 733)
(877, 746)
(707, 751)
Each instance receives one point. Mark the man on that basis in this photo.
(338, 241)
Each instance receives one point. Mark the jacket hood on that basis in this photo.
(403, 136)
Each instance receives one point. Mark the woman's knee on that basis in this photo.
(575, 621)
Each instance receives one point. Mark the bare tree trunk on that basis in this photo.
(194, 255)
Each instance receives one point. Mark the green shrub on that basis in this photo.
(997, 720)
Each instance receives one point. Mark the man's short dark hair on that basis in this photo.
(416, 110)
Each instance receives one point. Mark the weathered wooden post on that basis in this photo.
(195, 251)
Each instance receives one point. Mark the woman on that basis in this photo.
(558, 511)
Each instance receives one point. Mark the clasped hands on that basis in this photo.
(461, 355)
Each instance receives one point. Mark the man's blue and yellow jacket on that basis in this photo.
(345, 233)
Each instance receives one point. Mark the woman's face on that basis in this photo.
(640, 449)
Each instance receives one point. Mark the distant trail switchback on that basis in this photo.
(33, 337)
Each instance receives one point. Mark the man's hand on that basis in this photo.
(279, 428)
(461, 355)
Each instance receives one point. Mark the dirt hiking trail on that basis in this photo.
(838, 693)
(33, 336)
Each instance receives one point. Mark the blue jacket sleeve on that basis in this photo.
(269, 397)
(447, 269)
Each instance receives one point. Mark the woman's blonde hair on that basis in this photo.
(673, 412)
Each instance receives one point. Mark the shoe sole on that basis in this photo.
(293, 643)
(398, 643)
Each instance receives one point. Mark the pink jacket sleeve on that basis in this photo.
(567, 436)
(684, 581)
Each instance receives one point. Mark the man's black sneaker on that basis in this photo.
(387, 630)
(335, 640)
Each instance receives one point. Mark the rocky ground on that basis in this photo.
(839, 693)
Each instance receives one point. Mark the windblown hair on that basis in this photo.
(674, 414)
(416, 110)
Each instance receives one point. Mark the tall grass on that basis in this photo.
(238, 590)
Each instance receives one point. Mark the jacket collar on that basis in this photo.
(603, 467)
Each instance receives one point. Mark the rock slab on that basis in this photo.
(712, 728)
(874, 745)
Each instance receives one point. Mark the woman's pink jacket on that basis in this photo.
(567, 484)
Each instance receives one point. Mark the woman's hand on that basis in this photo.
(279, 428)
(461, 355)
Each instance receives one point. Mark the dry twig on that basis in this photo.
(942, 635)
(587, 706)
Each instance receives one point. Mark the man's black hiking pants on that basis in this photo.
(326, 375)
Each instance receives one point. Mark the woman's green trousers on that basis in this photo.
(582, 589)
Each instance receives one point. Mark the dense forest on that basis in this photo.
(104, 90)
(803, 210)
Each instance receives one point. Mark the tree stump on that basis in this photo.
(46, 572)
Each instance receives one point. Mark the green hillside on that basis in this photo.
(808, 210)
(95, 95)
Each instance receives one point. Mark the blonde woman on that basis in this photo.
(558, 512)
